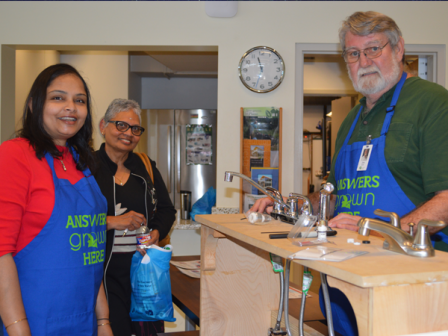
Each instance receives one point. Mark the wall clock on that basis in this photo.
(261, 69)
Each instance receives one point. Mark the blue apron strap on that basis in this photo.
(391, 109)
(352, 128)
(439, 236)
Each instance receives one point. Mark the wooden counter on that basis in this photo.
(391, 294)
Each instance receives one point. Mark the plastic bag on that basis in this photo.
(203, 206)
(151, 285)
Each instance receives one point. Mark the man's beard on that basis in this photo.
(375, 83)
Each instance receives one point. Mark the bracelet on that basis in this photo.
(99, 325)
(25, 318)
(102, 319)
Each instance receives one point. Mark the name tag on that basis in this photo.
(365, 157)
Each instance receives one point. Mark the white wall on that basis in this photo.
(138, 24)
(179, 93)
(106, 75)
(29, 63)
(321, 75)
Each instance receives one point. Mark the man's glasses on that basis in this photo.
(352, 55)
(123, 127)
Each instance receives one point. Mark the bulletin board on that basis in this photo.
(261, 151)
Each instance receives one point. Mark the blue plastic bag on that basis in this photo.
(203, 206)
(151, 285)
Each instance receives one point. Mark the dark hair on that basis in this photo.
(33, 125)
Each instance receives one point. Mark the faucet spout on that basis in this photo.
(396, 240)
(228, 177)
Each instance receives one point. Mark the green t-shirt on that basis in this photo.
(416, 149)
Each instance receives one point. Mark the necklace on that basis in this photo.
(63, 165)
(121, 182)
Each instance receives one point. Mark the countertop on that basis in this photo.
(377, 268)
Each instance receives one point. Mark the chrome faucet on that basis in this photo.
(287, 211)
(324, 202)
(397, 240)
(277, 197)
(307, 207)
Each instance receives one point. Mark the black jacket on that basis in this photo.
(162, 220)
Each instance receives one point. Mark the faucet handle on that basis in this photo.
(274, 192)
(394, 219)
(306, 205)
(422, 237)
(327, 188)
(277, 196)
(299, 196)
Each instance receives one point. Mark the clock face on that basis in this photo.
(261, 69)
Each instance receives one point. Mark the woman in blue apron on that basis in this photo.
(351, 164)
(53, 220)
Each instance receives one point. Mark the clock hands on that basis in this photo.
(261, 71)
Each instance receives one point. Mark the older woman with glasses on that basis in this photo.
(132, 199)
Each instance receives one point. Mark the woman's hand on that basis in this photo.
(154, 240)
(130, 220)
(11, 304)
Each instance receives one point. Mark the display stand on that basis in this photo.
(261, 151)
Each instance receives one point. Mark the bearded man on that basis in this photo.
(403, 122)
(403, 119)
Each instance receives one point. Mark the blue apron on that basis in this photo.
(360, 193)
(61, 269)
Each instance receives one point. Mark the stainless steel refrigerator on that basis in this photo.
(183, 144)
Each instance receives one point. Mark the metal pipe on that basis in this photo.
(323, 278)
(302, 307)
(324, 142)
(286, 296)
(280, 306)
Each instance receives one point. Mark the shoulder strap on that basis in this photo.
(147, 164)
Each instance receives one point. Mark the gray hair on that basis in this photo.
(121, 105)
(365, 23)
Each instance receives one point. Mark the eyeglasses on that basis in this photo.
(123, 127)
(352, 55)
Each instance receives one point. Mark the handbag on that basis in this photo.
(145, 159)
(151, 298)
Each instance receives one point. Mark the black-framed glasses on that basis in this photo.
(124, 126)
(352, 55)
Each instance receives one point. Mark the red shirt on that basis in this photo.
(27, 192)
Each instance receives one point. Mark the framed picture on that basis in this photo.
(261, 149)
(266, 177)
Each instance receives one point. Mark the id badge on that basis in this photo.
(365, 157)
